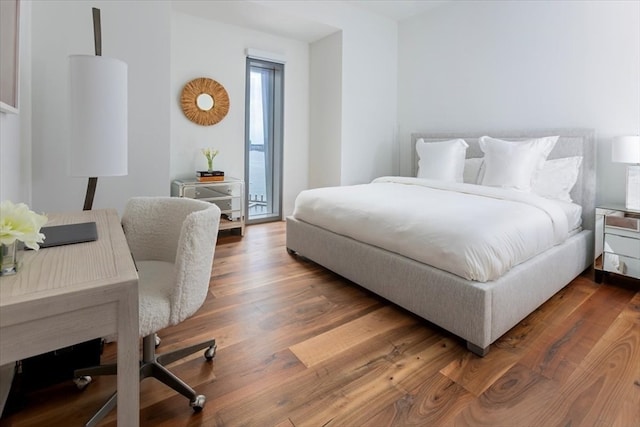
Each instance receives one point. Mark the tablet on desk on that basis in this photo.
(67, 234)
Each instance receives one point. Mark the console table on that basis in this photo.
(68, 294)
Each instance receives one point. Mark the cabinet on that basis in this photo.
(227, 194)
(617, 242)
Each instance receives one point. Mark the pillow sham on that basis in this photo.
(442, 161)
(471, 174)
(557, 178)
(512, 164)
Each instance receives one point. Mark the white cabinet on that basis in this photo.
(228, 195)
(617, 242)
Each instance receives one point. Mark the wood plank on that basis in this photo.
(324, 346)
(632, 311)
(434, 402)
(598, 390)
(306, 392)
(475, 373)
(516, 399)
(629, 410)
(559, 351)
(384, 366)
(285, 423)
(230, 284)
(351, 405)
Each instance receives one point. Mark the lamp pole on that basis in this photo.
(97, 41)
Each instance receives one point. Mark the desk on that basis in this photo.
(68, 294)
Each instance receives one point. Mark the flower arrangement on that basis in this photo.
(210, 154)
(18, 223)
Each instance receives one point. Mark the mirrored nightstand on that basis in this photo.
(617, 241)
(227, 194)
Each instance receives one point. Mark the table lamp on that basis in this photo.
(626, 149)
(98, 144)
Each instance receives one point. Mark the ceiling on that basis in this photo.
(397, 9)
(262, 17)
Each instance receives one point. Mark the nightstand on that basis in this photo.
(227, 194)
(617, 241)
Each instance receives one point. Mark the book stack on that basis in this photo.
(209, 176)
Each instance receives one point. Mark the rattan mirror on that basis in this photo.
(204, 101)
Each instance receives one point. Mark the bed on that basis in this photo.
(477, 306)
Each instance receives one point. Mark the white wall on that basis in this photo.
(369, 99)
(207, 48)
(325, 148)
(137, 32)
(369, 86)
(513, 65)
(15, 130)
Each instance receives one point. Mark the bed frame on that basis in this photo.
(477, 312)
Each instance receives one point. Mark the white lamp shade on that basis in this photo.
(98, 144)
(626, 149)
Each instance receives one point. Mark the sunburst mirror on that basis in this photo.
(204, 101)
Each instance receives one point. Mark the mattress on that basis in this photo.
(475, 232)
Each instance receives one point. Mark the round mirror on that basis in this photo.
(204, 102)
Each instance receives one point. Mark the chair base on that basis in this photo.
(152, 365)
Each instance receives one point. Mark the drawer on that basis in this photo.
(622, 232)
(622, 223)
(622, 265)
(622, 245)
(212, 192)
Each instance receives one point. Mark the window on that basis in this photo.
(263, 140)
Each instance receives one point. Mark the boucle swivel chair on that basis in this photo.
(172, 241)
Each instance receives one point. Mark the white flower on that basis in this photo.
(17, 222)
(210, 153)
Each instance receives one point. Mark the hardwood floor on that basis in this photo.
(300, 346)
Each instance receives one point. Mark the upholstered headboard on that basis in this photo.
(574, 142)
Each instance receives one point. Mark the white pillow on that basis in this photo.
(512, 164)
(556, 178)
(442, 161)
(472, 168)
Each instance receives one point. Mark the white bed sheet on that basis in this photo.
(475, 232)
(573, 212)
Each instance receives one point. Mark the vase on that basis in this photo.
(10, 256)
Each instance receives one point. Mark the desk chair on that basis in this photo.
(172, 241)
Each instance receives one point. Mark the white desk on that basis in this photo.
(68, 294)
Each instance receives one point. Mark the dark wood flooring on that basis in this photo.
(300, 346)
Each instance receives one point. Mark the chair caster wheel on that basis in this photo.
(210, 353)
(82, 382)
(197, 403)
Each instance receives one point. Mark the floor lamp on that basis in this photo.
(98, 144)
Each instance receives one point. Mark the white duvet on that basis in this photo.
(473, 231)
